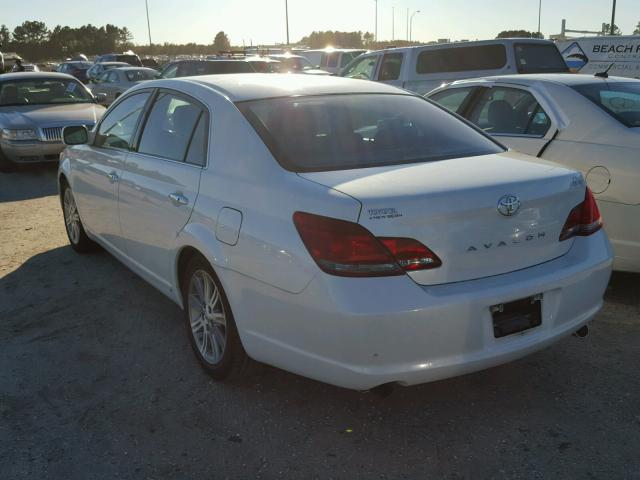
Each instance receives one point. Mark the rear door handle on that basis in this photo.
(178, 199)
(113, 177)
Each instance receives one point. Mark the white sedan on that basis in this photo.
(341, 229)
(585, 122)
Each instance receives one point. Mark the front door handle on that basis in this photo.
(113, 177)
(178, 199)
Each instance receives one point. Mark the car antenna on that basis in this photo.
(604, 74)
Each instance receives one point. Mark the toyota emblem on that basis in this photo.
(508, 205)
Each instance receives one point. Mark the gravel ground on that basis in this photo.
(97, 380)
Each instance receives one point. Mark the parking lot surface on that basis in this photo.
(97, 380)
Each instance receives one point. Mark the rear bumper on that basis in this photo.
(31, 151)
(360, 333)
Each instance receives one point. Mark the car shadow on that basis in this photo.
(27, 182)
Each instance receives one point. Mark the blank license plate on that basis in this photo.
(516, 316)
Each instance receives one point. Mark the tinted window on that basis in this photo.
(220, 67)
(338, 132)
(118, 126)
(169, 127)
(539, 58)
(363, 68)
(509, 111)
(452, 99)
(390, 67)
(620, 100)
(461, 59)
(197, 154)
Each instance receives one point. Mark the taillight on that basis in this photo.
(583, 220)
(347, 249)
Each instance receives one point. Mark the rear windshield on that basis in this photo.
(539, 58)
(42, 91)
(461, 59)
(130, 59)
(620, 100)
(339, 132)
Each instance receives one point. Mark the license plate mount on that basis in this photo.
(517, 316)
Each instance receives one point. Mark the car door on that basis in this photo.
(514, 117)
(390, 68)
(97, 174)
(160, 183)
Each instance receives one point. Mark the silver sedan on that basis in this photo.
(34, 108)
(113, 83)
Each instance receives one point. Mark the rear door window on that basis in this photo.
(461, 59)
(453, 99)
(539, 58)
(118, 126)
(170, 126)
(390, 67)
(509, 111)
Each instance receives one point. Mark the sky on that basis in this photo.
(263, 21)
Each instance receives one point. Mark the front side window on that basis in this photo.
(170, 127)
(119, 125)
(621, 100)
(452, 99)
(539, 58)
(509, 111)
(43, 91)
(348, 56)
(363, 68)
(461, 59)
(390, 67)
(338, 132)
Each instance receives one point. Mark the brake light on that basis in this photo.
(347, 249)
(583, 220)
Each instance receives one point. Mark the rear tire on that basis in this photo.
(210, 325)
(78, 238)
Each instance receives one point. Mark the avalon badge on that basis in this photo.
(508, 205)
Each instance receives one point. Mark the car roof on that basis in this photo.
(128, 69)
(112, 63)
(474, 43)
(568, 79)
(34, 75)
(240, 87)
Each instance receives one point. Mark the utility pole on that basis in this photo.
(393, 23)
(411, 24)
(407, 24)
(286, 16)
(376, 31)
(539, 16)
(146, 4)
(612, 28)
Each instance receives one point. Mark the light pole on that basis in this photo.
(539, 16)
(146, 4)
(376, 30)
(407, 24)
(393, 23)
(612, 28)
(411, 23)
(286, 17)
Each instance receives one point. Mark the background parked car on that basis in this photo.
(130, 58)
(421, 69)
(588, 123)
(77, 69)
(333, 60)
(116, 81)
(290, 63)
(264, 64)
(34, 108)
(98, 69)
(189, 68)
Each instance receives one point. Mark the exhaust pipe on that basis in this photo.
(583, 332)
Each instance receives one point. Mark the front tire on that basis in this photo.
(210, 325)
(78, 238)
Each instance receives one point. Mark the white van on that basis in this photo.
(332, 60)
(421, 69)
(596, 54)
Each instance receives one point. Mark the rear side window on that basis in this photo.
(539, 58)
(119, 125)
(509, 111)
(197, 154)
(621, 100)
(332, 59)
(170, 127)
(390, 67)
(461, 59)
(338, 132)
(452, 99)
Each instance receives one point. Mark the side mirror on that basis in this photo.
(75, 135)
(101, 97)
